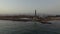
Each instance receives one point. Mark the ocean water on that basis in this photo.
(18, 27)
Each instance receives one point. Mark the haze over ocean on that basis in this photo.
(28, 6)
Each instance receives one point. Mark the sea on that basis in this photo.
(30, 27)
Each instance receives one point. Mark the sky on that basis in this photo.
(28, 6)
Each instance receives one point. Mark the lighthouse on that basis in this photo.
(35, 16)
(35, 13)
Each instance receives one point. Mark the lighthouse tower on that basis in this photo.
(35, 16)
(35, 13)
